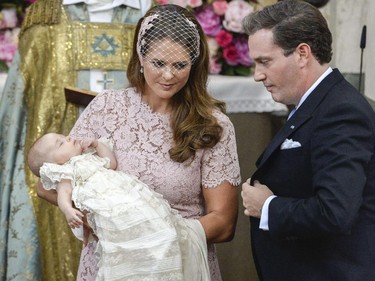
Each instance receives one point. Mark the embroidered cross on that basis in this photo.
(105, 81)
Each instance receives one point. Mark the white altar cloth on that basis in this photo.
(243, 94)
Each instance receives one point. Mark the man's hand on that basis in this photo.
(253, 197)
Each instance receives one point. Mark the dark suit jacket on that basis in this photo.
(322, 224)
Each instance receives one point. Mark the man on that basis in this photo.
(312, 198)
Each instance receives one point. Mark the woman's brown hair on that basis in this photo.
(193, 124)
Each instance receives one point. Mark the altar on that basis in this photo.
(243, 94)
(256, 118)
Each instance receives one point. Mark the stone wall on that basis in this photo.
(346, 19)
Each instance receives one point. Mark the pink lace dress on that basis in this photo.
(142, 139)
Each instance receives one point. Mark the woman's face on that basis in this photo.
(166, 69)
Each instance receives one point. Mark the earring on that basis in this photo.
(141, 70)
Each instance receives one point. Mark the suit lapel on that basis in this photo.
(303, 114)
(290, 126)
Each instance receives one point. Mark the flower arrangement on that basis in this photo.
(221, 21)
(11, 16)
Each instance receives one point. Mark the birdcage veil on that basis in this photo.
(168, 36)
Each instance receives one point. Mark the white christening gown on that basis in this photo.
(140, 236)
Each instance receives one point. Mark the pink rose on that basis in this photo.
(220, 7)
(237, 10)
(194, 3)
(162, 2)
(243, 51)
(210, 22)
(8, 47)
(9, 18)
(230, 55)
(215, 67)
(224, 38)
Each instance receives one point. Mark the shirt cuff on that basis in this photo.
(264, 214)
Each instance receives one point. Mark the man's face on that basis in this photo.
(280, 75)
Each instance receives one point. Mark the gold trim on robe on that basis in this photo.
(45, 12)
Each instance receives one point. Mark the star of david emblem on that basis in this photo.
(104, 45)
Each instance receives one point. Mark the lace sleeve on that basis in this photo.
(220, 163)
(98, 120)
(51, 174)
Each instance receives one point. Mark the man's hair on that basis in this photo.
(294, 22)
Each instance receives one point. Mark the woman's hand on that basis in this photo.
(87, 231)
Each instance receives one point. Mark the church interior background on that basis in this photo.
(248, 104)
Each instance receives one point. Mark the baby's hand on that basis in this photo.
(90, 142)
(74, 218)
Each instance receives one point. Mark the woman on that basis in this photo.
(167, 131)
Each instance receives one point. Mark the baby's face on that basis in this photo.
(62, 148)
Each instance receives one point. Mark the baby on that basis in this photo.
(59, 149)
(139, 235)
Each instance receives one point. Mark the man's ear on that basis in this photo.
(304, 53)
